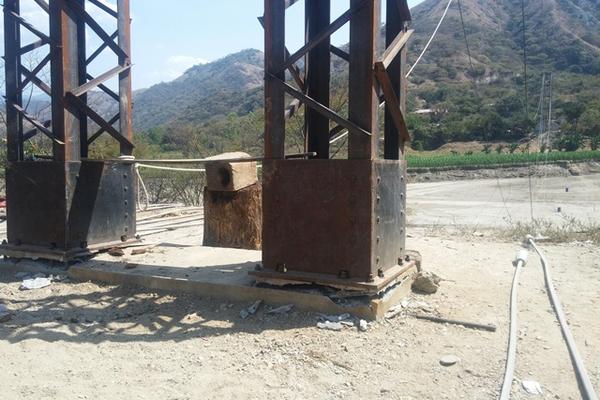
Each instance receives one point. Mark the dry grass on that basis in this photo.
(570, 230)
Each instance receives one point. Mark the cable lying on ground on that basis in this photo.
(585, 384)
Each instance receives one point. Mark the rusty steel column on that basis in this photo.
(362, 97)
(396, 18)
(318, 76)
(65, 77)
(82, 73)
(69, 206)
(125, 92)
(12, 65)
(274, 21)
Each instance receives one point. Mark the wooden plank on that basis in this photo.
(318, 76)
(362, 99)
(274, 23)
(391, 101)
(395, 46)
(332, 115)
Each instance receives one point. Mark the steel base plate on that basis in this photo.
(44, 253)
(392, 277)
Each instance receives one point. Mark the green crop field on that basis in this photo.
(483, 159)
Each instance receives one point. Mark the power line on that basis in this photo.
(430, 39)
(462, 21)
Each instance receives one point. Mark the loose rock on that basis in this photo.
(363, 326)
(449, 360)
(35, 283)
(426, 282)
(332, 326)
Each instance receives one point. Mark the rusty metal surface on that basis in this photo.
(390, 213)
(67, 206)
(320, 216)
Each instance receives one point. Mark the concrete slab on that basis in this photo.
(223, 273)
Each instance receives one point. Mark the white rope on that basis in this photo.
(430, 39)
(143, 185)
(171, 168)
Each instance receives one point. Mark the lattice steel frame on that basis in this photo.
(70, 82)
(68, 205)
(337, 222)
(372, 78)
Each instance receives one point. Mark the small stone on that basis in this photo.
(449, 360)
(363, 326)
(116, 252)
(331, 326)
(426, 282)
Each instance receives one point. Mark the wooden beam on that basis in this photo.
(274, 23)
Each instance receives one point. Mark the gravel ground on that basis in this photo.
(87, 341)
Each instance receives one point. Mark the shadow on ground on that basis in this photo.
(87, 312)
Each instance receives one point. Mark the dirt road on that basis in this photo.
(87, 341)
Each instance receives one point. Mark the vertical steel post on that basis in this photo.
(394, 146)
(318, 71)
(12, 65)
(274, 94)
(82, 73)
(125, 92)
(362, 98)
(65, 77)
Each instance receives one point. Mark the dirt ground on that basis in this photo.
(88, 341)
